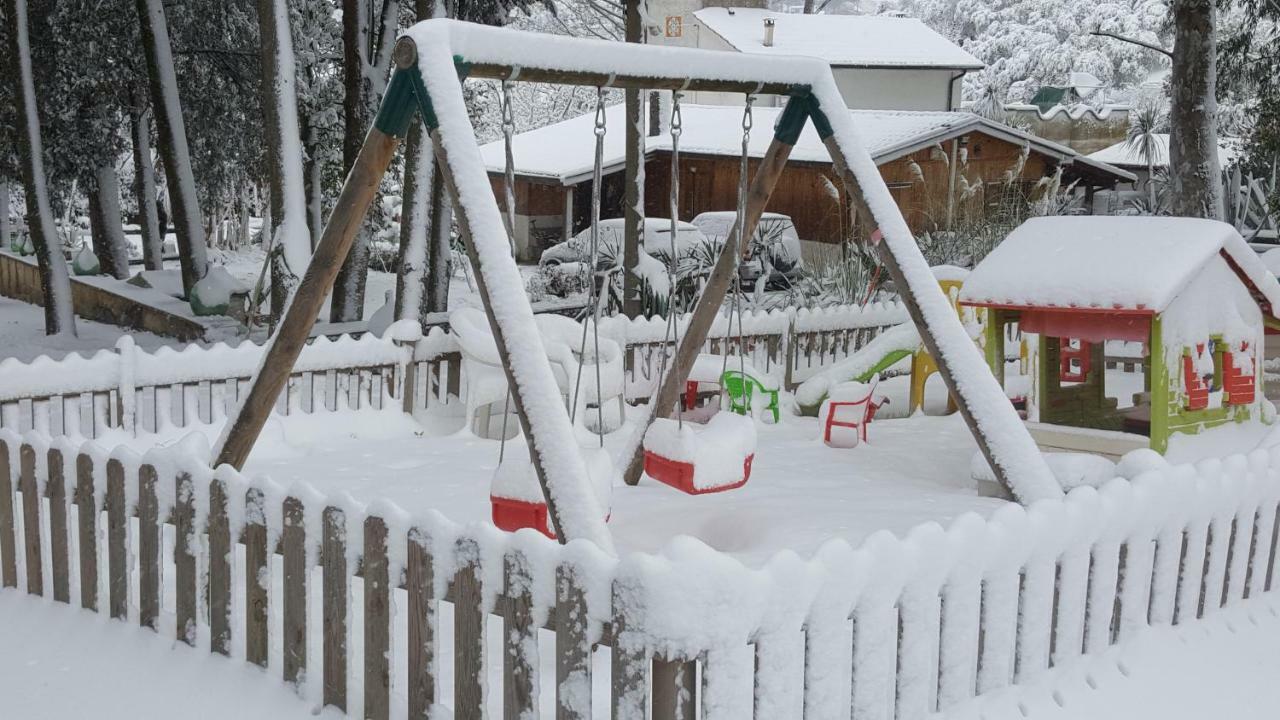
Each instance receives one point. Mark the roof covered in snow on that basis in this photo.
(1113, 263)
(564, 151)
(869, 41)
(1122, 154)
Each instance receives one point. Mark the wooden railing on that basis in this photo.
(134, 391)
(896, 628)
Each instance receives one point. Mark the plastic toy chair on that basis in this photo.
(861, 401)
(741, 388)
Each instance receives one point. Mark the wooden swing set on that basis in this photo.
(430, 61)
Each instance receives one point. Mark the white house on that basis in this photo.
(879, 62)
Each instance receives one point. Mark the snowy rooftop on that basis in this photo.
(842, 40)
(1121, 263)
(564, 151)
(1124, 155)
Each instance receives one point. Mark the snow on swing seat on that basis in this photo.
(699, 459)
(517, 498)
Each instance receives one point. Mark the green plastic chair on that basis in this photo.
(740, 389)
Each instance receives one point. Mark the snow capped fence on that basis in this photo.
(517, 625)
(138, 392)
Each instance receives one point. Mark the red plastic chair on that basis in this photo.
(860, 414)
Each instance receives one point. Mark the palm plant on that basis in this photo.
(1146, 122)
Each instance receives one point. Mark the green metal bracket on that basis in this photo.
(397, 108)
(425, 106)
(463, 66)
(791, 121)
(820, 121)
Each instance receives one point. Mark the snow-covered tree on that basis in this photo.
(291, 245)
(174, 150)
(54, 279)
(1195, 178)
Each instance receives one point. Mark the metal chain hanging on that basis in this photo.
(593, 297)
(509, 193)
(672, 332)
(736, 309)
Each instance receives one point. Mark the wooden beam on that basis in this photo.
(708, 306)
(357, 195)
(909, 300)
(494, 71)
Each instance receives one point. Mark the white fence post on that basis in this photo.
(127, 392)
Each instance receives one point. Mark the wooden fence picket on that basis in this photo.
(333, 556)
(117, 542)
(377, 621)
(293, 541)
(520, 640)
(220, 562)
(629, 667)
(148, 548)
(468, 631)
(573, 646)
(8, 541)
(87, 526)
(420, 584)
(59, 553)
(185, 548)
(257, 578)
(31, 520)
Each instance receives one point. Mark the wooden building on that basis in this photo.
(944, 168)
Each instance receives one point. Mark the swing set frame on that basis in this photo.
(407, 98)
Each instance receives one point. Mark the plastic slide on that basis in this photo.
(888, 348)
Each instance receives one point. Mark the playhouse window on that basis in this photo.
(1202, 374)
(1238, 375)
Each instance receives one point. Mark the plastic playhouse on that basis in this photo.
(1194, 295)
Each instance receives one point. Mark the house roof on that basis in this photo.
(1111, 263)
(563, 152)
(1126, 156)
(868, 41)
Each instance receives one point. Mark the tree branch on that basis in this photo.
(1133, 41)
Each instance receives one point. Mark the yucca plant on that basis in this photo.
(1146, 123)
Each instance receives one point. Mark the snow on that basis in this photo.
(564, 151)
(74, 663)
(1124, 155)
(23, 339)
(1220, 667)
(897, 338)
(871, 41)
(1122, 263)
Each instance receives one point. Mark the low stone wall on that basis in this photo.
(20, 279)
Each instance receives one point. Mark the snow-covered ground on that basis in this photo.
(801, 492)
(78, 664)
(1221, 667)
(22, 334)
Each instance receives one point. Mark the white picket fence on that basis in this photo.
(897, 628)
(139, 392)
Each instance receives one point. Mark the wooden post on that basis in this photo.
(185, 544)
(420, 584)
(56, 491)
(357, 194)
(520, 640)
(377, 621)
(704, 312)
(31, 520)
(294, 542)
(8, 543)
(573, 646)
(117, 542)
(148, 548)
(219, 570)
(333, 558)
(909, 294)
(675, 689)
(87, 522)
(257, 578)
(468, 631)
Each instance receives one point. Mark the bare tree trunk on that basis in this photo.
(315, 192)
(366, 53)
(107, 225)
(292, 247)
(1195, 182)
(183, 201)
(422, 214)
(144, 189)
(55, 282)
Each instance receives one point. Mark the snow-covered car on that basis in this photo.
(657, 242)
(775, 240)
